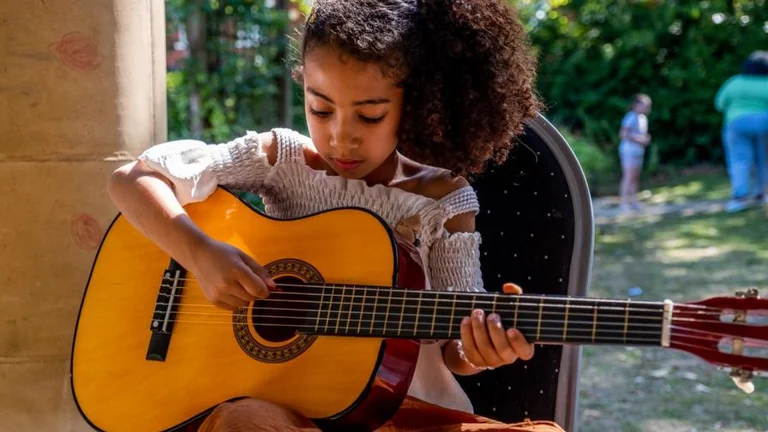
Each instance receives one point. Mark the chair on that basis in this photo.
(537, 226)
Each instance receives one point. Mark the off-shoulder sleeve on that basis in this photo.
(454, 263)
(454, 259)
(195, 168)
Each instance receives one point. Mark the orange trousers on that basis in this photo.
(414, 415)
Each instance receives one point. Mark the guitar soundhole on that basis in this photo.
(281, 316)
(270, 330)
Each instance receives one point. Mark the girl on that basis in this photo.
(402, 98)
(634, 139)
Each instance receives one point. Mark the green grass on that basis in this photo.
(682, 259)
(705, 183)
(671, 185)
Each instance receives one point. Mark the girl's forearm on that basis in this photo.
(147, 201)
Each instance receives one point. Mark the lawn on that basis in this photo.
(682, 258)
(701, 183)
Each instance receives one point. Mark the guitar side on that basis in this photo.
(339, 382)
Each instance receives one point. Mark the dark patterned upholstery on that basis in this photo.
(536, 223)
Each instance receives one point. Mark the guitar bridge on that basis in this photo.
(166, 307)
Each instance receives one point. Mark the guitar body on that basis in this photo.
(214, 355)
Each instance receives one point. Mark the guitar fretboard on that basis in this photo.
(383, 312)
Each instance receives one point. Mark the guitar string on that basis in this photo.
(623, 311)
(415, 325)
(499, 308)
(309, 329)
(483, 299)
(464, 294)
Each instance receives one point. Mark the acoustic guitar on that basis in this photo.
(338, 341)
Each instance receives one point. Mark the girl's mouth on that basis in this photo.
(347, 164)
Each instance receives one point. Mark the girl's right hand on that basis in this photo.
(228, 277)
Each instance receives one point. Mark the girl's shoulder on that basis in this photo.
(276, 141)
(429, 181)
(441, 185)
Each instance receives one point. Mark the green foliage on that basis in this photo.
(596, 54)
(593, 56)
(598, 166)
(239, 84)
(251, 199)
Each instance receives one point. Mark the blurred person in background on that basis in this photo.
(743, 100)
(634, 139)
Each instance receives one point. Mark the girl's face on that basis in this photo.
(353, 111)
(643, 107)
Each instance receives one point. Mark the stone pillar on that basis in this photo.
(82, 90)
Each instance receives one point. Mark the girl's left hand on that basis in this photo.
(486, 344)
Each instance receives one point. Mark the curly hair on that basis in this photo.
(465, 66)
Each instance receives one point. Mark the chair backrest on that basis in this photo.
(537, 226)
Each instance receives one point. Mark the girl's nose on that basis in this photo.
(344, 137)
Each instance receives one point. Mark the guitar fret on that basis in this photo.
(453, 309)
(418, 311)
(402, 309)
(320, 309)
(626, 319)
(341, 308)
(594, 322)
(349, 312)
(567, 311)
(362, 312)
(493, 308)
(373, 313)
(330, 305)
(386, 314)
(434, 315)
(538, 327)
(517, 308)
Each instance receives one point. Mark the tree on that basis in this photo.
(234, 76)
(595, 54)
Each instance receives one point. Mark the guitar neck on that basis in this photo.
(396, 313)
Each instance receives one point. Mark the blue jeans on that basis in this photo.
(746, 153)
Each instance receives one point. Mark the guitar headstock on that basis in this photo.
(730, 332)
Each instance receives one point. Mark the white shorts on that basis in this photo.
(631, 154)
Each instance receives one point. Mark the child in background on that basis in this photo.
(634, 139)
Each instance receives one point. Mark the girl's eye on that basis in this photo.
(321, 114)
(370, 120)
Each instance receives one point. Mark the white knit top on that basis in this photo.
(292, 189)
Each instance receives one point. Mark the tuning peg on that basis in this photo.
(749, 293)
(743, 380)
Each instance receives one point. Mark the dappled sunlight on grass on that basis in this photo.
(666, 425)
(628, 389)
(677, 193)
(614, 238)
(703, 186)
(673, 272)
(690, 254)
(670, 243)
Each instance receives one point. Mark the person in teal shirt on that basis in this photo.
(743, 100)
